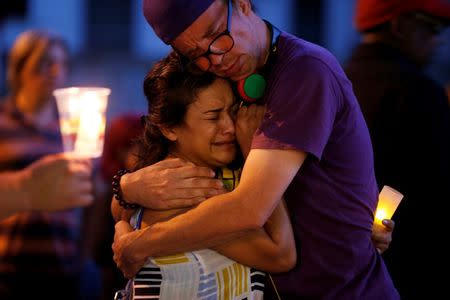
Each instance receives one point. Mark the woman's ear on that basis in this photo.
(169, 133)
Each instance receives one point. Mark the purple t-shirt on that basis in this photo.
(311, 107)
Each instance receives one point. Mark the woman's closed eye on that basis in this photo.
(212, 116)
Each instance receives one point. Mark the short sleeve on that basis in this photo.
(302, 103)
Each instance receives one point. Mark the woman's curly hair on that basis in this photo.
(169, 88)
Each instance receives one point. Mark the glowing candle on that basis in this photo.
(388, 201)
(82, 119)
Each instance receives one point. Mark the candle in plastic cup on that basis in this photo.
(82, 119)
(388, 201)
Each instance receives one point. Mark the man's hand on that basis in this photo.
(247, 121)
(124, 256)
(382, 235)
(171, 183)
(58, 182)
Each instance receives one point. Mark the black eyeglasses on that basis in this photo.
(434, 25)
(222, 44)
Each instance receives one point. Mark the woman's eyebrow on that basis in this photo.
(214, 110)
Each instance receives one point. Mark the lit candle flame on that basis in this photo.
(82, 119)
(388, 201)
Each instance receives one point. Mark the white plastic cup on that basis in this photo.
(388, 201)
(82, 119)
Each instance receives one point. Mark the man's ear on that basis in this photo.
(169, 133)
(244, 6)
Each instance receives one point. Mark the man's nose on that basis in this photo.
(215, 59)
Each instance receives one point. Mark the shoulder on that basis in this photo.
(303, 70)
(303, 65)
(303, 56)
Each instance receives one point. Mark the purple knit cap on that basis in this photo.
(169, 18)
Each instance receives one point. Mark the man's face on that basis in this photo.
(424, 37)
(242, 59)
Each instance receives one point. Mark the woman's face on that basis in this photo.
(45, 70)
(207, 136)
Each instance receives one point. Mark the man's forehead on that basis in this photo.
(169, 18)
(202, 27)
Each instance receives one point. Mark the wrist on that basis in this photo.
(25, 189)
(124, 185)
(130, 184)
(140, 247)
(118, 192)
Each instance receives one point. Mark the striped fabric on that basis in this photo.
(203, 274)
(36, 248)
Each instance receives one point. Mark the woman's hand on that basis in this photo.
(247, 121)
(125, 257)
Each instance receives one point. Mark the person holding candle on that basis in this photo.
(313, 147)
(409, 122)
(54, 182)
(40, 251)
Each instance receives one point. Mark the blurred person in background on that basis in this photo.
(54, 182)
(40, 252)
(439, 68)
(119, 153)
(409, 122)
(447, 87)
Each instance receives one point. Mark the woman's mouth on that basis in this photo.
(226, 144)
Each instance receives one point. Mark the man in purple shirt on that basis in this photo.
(313, 147)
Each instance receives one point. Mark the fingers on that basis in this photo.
(260, 113)
(79, 164)
(242, 111)
(189, 171)
(380, 245)
(381, 248)
(198, 183)
(186, 197)
(171, 163)
(122, 228)
(84, 186)
(121, 254)
(178, 168)
(382, 235)
(252, 110)
(84, 200)
(388, 224)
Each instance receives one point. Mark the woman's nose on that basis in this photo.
(228, 125)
